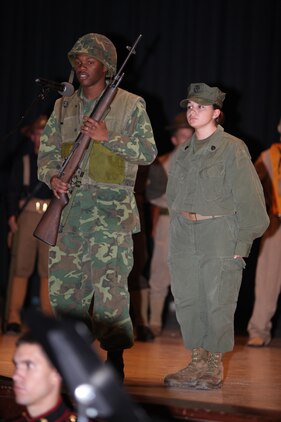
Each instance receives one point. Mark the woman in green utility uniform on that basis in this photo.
(217, 209)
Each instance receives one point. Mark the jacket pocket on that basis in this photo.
(211, 179)
(230, 280)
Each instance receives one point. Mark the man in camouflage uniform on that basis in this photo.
(89, 266)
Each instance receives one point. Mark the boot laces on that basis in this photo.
(197, 356)
(214, 360)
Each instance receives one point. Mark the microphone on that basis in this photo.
(63, 88)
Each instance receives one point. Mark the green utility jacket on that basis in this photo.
(219, 179)
(112, 166)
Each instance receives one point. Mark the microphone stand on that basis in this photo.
(40, 97)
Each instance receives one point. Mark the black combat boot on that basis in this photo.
(115, 358)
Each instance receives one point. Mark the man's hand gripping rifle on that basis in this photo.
(48, 227)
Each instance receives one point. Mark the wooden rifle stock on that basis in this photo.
(48, 227)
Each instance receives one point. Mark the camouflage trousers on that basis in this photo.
(88, 279)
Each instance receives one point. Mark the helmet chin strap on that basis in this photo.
(71, 76)
(64, 103)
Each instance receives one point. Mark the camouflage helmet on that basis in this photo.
(97, 46)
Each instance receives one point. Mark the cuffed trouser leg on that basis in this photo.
(93, 271)
(267, 283)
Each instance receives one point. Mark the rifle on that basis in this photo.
(48, 227)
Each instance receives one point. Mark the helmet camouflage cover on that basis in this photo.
(97, 46)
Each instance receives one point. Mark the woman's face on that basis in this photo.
(201, 115)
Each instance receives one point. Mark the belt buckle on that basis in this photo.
(193, 216)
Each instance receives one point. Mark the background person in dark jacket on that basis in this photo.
(27, 200)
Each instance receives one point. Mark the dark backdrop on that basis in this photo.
(233, 44)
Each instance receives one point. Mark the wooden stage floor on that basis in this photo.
(251, 390)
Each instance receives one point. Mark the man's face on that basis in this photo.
(36, 382)
(89, 71)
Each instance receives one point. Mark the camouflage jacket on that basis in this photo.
(131, 143)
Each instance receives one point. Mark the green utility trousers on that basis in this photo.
(205, 280)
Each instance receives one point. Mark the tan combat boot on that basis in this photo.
(188, 377)
(214, 376)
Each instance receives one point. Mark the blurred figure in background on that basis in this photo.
(268, 272)
(159, 281)
(137, 281)
(27, 200)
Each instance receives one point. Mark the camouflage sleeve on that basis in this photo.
(137, 143)
(49, 157)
